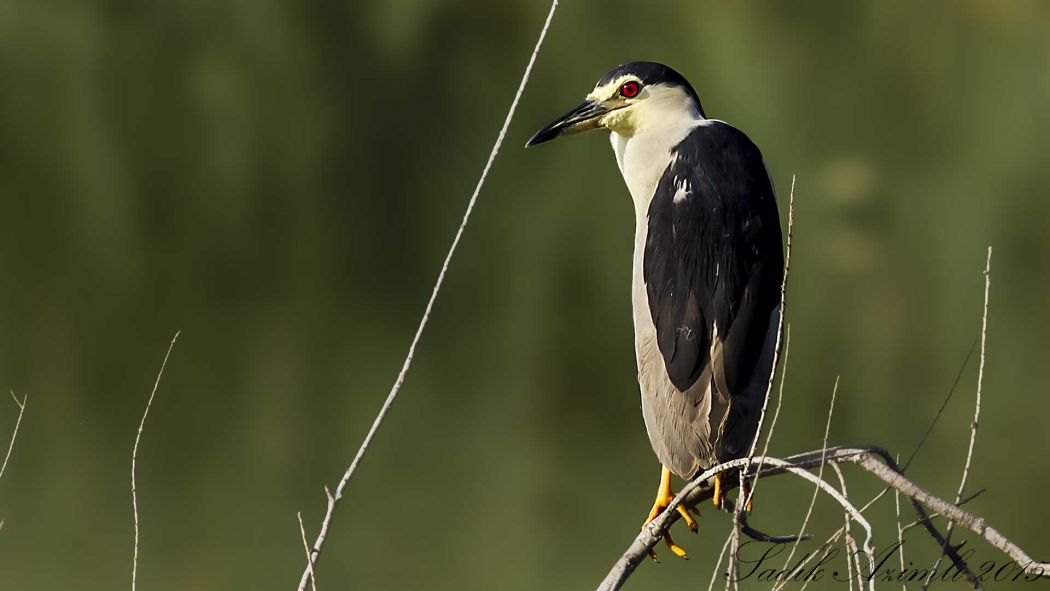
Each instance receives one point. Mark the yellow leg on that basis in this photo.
(664, 496)
(747, 496)
(716, 496)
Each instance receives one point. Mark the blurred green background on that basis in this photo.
(280, 180)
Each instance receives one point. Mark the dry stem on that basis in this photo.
(396, 388)
(134, 458)
(14, 433)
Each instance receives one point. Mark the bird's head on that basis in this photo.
(626, 100)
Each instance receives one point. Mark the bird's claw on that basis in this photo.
(678, 550)
(663, 500)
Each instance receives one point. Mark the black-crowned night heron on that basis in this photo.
(708, 266)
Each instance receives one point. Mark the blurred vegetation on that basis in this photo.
(280, 180)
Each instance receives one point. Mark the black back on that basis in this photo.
(715, 259)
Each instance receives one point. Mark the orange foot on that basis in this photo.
(664, 496)
(718, 495)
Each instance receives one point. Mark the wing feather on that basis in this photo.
(713, 260)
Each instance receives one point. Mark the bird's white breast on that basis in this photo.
(643, 158)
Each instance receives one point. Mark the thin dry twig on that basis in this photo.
(924, 520)
(940, 411)
(718, 566)
(832, 492)
(900, 535)
(733, 574)
(733, 538)
(833, 538)
(776, 411)
(973, 424)
(780, 325)
(14, 433)
(765, 450)
(840, 531)
(851, 543)
(134, 459)
(306, 549)
(396, 388)
(980, 377)
(816, 489)
(734, 533)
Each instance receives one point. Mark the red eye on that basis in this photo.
(630, 89)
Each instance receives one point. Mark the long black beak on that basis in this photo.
(583, 118)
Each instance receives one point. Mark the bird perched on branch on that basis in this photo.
(708, 267)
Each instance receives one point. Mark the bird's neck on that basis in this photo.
(644, 154)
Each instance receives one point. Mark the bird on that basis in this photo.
(707, 272)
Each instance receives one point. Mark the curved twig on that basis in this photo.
(875, 460)
(757, 535)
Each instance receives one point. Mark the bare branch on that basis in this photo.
(396, 388)
(699, 489)
(134, 458)
(974, 523)
(874, 460)
(924, 520)
(14, 433)
(935, 515)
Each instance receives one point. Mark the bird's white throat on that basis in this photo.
(643, 136)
